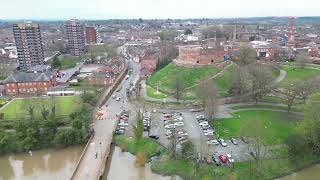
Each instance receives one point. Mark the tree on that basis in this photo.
(240, 83)
(173, 143)
(187, 31)
(138, 129)
(245, 56)
(256, 141)
(302, 60)
(207, 93)
(260, 78)
(310, 127)
(167, 35)
(297, 146)
(179, 86)
(308, 87)
(56, 64)
(188, 150)
(290, 93)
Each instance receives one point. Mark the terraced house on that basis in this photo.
(28, 83)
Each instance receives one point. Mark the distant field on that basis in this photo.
(165, 77)
(281, 124)
(295, 74)
(17, 108)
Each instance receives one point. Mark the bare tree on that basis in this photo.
(208, 95)
(173, 143)
(308, 87)
(239, 84)
(246, 55)
(260, 77)
(291, 93)
(256, 132)
(302, 60)
(179, 86)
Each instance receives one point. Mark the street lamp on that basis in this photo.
(100, 150)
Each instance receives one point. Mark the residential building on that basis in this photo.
(28, 83)
(29, 44)
(91, 35)
(76, 37)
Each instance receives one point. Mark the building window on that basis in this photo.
(13, 90)
(9, 90)
(12, 85)
(198, 62)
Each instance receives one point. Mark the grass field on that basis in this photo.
(264, 106)
(281, 124)
(223, 81)
(17, 108)
(165, 77)
(295, 74)
(151, 92)
(69, 62)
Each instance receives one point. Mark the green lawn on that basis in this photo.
(151, 92)
(165, 77)
(281, 124)
(146, 145)
(69, 62)
(295, 74)
(264, 106)
(17, 108)
(223, 81)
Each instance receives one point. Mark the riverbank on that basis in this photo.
(165, 165)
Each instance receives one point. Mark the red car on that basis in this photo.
(167, 115)
(223, 159)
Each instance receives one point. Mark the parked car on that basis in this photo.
(167, 115)
(234, 141)
(210, 133)
(170, 126)
(253, 154)
(212, 142)
(244, 139)
(119, 131)
(216, 160)
(154, 136)
(222, 142)
(118, 99)
(204, 123)
(127, 77)
(179, 124)
(114, 96)
(123, 124)
(230, 159)
(223, 159)
(201, 116)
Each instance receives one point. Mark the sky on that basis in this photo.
(154, 9)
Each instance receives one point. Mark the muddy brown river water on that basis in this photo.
(49, 164)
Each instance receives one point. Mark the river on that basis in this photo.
(122, 166)
(48, 164)
(312, 173)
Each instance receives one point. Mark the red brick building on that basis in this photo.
(91, 35)
(28, 83)
(191, 55)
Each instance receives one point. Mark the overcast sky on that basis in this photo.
(147, 9)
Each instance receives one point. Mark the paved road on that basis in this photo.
(69, 73)
(90, 166)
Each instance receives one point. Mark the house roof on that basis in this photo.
(28, 77)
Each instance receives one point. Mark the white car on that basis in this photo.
(179, 124)
(213, 142)
(204, 123)
(179, 118)
(114, 96)
(230, 158)
(118, 99)
(208, 133)
(201, 116)
(123, 124)
(170, 126)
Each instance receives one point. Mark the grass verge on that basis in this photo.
(146, 145)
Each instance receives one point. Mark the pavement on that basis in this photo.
(90, 166)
